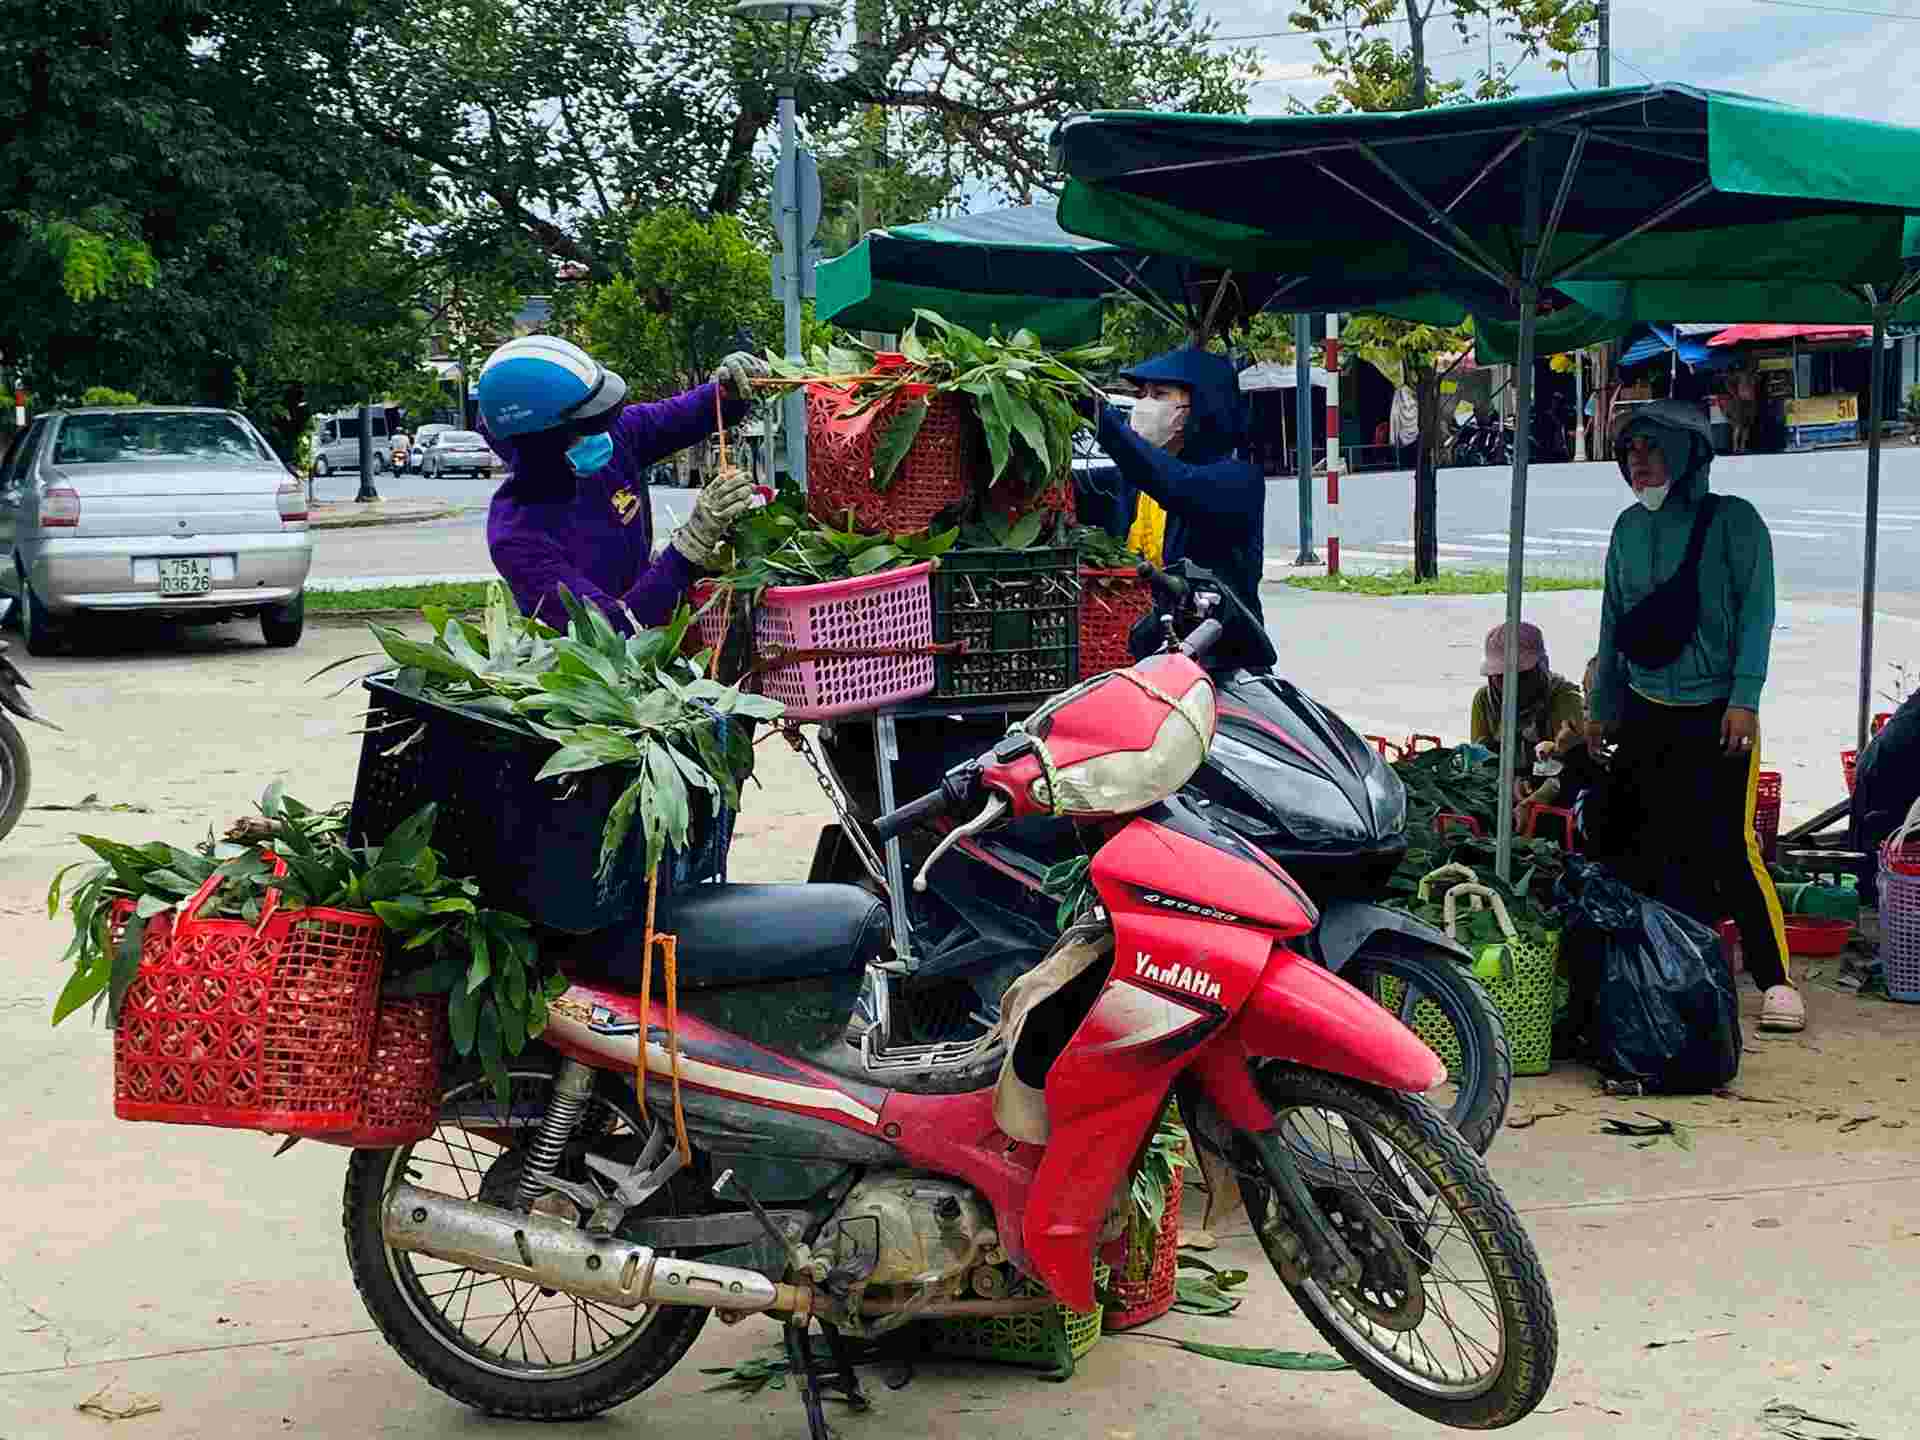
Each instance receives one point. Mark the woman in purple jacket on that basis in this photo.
(573, 511)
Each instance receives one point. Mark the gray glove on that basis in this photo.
(723, 500)
(738, 372)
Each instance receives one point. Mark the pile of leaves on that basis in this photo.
(1024, 394)
(1538, 864)
(1099, 550)
(444, 938)
(779, 544)
(1156, 1184)
(1457, 781)
(632, 702)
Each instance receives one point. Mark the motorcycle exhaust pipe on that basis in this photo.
(548, 1252)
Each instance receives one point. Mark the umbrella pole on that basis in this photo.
(1877, 368)
(1516, 582)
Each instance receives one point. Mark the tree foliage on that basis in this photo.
(566, 125)
(1372, 71)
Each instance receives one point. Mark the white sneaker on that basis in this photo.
(1781, 1008)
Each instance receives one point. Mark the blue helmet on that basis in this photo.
(541, 382)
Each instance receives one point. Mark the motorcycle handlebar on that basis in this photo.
(1202, 638)
(934, 803)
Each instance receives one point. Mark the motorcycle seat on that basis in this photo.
(737, 935)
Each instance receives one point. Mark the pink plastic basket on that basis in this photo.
(873, 612)
(709, 621)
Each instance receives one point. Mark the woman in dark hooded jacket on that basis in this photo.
(1180, 448)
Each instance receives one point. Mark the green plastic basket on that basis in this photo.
(1519, 976)
(1017, 612)
(1047, 1340)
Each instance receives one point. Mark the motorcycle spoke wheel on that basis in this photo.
(1450, 1314)
(505, 1325)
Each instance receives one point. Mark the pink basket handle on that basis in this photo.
(189, 915)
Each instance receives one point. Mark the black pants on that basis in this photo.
(1681, 817)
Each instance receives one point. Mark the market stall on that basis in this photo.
(1715, 199)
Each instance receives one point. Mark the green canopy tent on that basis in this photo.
(1659, 184)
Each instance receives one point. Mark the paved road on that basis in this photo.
(1814, 504)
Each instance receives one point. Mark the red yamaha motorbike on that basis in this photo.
(555, 1254)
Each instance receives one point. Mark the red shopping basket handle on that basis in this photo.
(1559, 813)
(1433, 742)
(1447, 819)
(190, 912)
(1384, 745)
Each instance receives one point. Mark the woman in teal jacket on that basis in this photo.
(1688, 730)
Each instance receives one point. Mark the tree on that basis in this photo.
(565, 127)
(1371, 71)
(156, 164)
(691, 291)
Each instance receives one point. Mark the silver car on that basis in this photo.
(459, 452)
(181, 512)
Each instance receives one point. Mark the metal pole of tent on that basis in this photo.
(1529, 298)
(1870, 561)
(1303, 431)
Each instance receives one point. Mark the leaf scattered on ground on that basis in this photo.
(1747, 1099)
(101, 1408)
(1266, 1359)
(94, 805)
(1797, 1424)
(1522, 1122)
(1687, 1338)
(1857, 1122)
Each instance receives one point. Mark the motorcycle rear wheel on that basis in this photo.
(1475, 1098)
(426, 1308)
(1416, 1206)
(16, 775)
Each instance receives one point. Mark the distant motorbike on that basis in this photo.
(16, 771)
(1481, 441)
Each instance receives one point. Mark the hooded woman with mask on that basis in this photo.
(1686, 625)
(574, 510)
(1179, 450)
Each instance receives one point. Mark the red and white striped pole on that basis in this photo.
(1333, 444)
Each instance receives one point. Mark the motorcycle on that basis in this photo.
(552, 1254)
(1284, 772)
(1482, 441)
(16, 771)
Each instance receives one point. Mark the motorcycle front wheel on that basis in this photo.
(1452, 1012)
(1451, 1314)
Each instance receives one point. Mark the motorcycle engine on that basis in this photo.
(903, 1229)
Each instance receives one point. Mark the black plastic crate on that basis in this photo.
(1018, 614)
(533, 845)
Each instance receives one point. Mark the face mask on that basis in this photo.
(1157, 421)
(590, 453)
(1653, 496)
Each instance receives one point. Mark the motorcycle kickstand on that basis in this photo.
(800, 1362)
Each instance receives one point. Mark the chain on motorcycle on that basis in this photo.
(849, 826)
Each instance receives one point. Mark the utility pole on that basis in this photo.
(1606, 42)
(1303, 431)
(866, 48)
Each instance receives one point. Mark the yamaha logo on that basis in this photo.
(1188, 907)
(1197, 983)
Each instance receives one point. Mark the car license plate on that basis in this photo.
(186, 577)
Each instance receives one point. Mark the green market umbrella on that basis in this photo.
(1652, 185)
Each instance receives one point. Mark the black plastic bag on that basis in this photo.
(1658, 996)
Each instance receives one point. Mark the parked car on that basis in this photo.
(336, 443)
(416, 457)
(171, 511)
(460, 452)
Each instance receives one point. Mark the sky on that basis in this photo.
(1819, 54)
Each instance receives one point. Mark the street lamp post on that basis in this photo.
(796, 200)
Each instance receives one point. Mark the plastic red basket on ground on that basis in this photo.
(249, 1026)
(400, 1101)
(1111, 603)
(938, 473)
(1143, 1286)
(1766, 812)
(1813, 936)
(892, 611)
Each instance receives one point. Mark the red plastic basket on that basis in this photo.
(1111, 603)
(1816, 937)
(889, 611)
(249, 1026)
(1766, 812)
(939, 472)
(1143, 1288)
(401, 1100)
